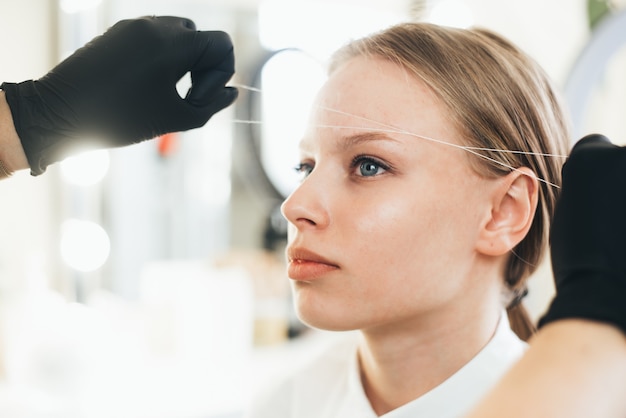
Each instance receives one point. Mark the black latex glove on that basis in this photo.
(120, 89)
(588, 235)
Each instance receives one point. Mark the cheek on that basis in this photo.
(397, 219)
(416, 234)
(418, 263)
(387, 240)
(377, 226)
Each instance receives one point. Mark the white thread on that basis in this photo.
(393, 129)
(248, 122)
(243, 86)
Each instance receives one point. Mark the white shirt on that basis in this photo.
(330, 385)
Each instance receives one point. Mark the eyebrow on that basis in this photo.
(350, 141)
(344, 143)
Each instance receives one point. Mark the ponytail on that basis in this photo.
(519, 319)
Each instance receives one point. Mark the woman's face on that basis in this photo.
(383, 226)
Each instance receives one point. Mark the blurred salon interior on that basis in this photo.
(149, 281)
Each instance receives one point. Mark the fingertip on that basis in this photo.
(188, 23)
(176, 20)
(198, 114)
(593, 141)
(215, 50)
(593, 153)
(231, 93)
(222, 100)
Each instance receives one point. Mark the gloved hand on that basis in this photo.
(120, 89)
(588, 235)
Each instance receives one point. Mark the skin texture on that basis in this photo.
(11, 151)
(397, 236)
(573, 369)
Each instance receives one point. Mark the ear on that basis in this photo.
(513, 209)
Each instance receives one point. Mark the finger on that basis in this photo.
(214, 67)
(191, 116)
(174, 21)
(204, 86)
(211, 49)
(593, 141)
(224, 99)
(587, 153)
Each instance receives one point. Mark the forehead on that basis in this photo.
(376, 94)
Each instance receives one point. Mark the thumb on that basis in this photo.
(213, 66)
(218, 101)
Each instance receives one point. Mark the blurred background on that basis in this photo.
(149, 281)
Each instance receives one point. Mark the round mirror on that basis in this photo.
(287, 82)
(591, 72)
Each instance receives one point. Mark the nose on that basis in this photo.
(306, 207)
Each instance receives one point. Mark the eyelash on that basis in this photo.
(306, 168)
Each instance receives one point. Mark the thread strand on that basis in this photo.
(392, 129)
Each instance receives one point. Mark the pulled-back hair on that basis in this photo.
(499, 99)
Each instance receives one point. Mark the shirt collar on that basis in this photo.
(456, 395)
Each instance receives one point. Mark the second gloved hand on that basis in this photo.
(120, 89)
(588, 235)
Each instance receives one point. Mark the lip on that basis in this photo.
(306, 265)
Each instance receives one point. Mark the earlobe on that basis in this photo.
(512, 212)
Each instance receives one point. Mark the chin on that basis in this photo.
(326, 312)
(327, 321)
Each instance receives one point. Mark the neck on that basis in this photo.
(400, 363)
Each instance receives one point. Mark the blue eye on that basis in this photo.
(368, 167)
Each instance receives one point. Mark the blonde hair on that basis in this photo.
(499, 99)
